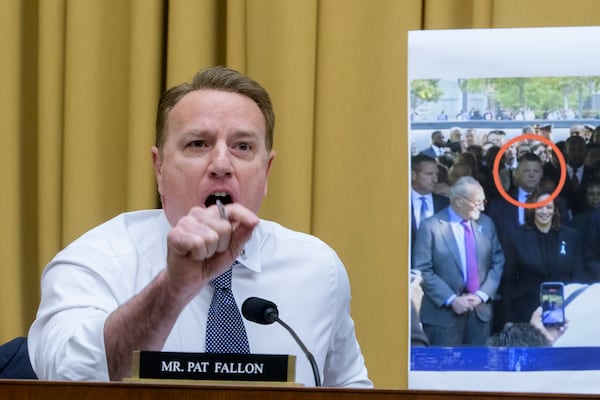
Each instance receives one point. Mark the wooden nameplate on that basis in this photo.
(213, 367)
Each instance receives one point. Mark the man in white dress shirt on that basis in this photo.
(141, 280)
(423, 202)
(438, 145)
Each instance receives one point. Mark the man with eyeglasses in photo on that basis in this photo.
(461, 263)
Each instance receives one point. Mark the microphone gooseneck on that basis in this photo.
(265, 312)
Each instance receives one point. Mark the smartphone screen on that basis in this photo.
(552, 300)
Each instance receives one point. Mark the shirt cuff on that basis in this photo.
(450, 300)
(483, 295)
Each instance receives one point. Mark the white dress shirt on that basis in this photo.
(111, 263)
(522, 199)
(439, 151)
(416, 205)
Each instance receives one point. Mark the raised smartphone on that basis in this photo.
(552, 299)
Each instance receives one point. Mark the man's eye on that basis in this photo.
(244, 146)
(197, 143)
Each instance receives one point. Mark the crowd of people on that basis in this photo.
(482, 247)
(503, 114)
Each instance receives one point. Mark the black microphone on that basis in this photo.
(265, 312)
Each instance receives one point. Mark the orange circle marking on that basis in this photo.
(561, 181)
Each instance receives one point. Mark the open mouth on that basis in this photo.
(224, 197)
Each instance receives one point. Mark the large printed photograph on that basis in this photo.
(504, 198)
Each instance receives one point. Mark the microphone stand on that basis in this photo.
(308, 354)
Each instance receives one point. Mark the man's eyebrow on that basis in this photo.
(245, 134)
(195, 133)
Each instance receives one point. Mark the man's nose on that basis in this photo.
(220, 163)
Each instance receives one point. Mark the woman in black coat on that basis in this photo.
(540, 250)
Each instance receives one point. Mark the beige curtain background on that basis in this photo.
(79, 84)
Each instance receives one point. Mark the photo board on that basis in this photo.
(445, 66)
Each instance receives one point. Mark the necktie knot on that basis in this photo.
(223, 281)
(424, 206)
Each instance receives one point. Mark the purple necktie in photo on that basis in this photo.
(472, 284)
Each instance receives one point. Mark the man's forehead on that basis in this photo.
(477, 190)
(213, 104)
(428, 164)
(529, 164)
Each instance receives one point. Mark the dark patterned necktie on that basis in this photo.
(575, 180)
(225, 331)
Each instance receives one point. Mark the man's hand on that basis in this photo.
(552, 334)
(462, 304)
(474, 300)
(203, 244)
(416, 291)
(200, 247)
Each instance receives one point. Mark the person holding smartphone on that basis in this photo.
(581, 307)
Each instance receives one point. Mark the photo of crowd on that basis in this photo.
(477, 259)
(504, 210)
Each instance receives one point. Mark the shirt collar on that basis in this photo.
(454, 217)
(250, 257)
(417, 196)
(512, 165)
(438, 150)
(164, 226)
(522, 194)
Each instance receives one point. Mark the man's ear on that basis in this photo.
(157, 163)
(272, 155)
